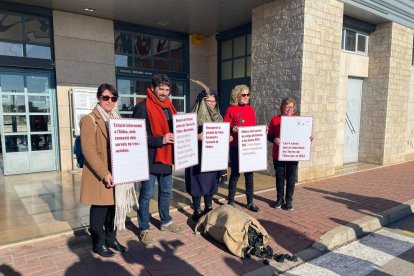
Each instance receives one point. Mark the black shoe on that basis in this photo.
(207, 209)
(287, 206)
(278, 203)
(252, 207)
(231, 203)
(197, 214)
(116, 245)
(103, 251)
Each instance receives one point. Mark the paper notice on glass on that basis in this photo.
(295, 134)
(185, 140)
(252, 148)
(129, 150)
(215, 147)
(83, 101)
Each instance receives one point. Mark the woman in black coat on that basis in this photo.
(203, 184)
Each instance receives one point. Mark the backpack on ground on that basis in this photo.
(241, 233)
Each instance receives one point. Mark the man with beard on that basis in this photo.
(157, 110)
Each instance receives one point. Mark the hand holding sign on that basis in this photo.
(295, 138)
(129, 151)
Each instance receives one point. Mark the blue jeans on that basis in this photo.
(164, 193)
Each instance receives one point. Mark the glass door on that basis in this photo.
(234, 65)
(27, 122)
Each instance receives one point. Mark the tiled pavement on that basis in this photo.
(319, 206)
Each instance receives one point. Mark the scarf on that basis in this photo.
(204, 113)
(159, 125)
(125, 195)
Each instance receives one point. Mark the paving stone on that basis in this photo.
(327, 213)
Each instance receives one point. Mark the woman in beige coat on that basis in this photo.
(97, 185)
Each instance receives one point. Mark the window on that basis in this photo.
(149, 52)
(235, 57)
(354, 41)
(141, 52)
(25, 36)
(133, 90)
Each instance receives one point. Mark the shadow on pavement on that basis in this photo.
(363, 204)
(241, 266)
(90, 264)
(291, 240)
(7, 270)
(158, 260)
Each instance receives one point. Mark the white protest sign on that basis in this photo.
(129, 150)
(295, 142)
(252, 148)
(185, 140)
(215, 147)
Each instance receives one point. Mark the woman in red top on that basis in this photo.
(283, 169)
(240, 113)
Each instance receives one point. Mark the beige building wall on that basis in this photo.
(410, 129)
(385, 97)
(320, 82)
(296, 52)
(276, 59)
(203, 66)
(398, 94)
(409, 150)
(351, 65)
(84, 56)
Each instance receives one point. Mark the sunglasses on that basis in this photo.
(106, 98)
(245, 95)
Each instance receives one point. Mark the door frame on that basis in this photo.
(351, 128)
(53, 116)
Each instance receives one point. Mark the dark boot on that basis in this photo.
(116, 245)
(103, 251)
(197, 215)
(252, 207)
(197, 210)
(208, 203)
(278, 203)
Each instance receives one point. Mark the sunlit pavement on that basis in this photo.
(319, 208)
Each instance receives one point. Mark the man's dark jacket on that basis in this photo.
(140, 112)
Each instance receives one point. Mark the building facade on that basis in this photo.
(348, 63)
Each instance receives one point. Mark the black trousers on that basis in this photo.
(101, 220)
(234, 177)
(285, 170)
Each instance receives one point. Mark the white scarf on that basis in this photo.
(125, 196)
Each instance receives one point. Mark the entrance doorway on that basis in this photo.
(226, 86)
(28, 122)
(352, 120)
(234, 62)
